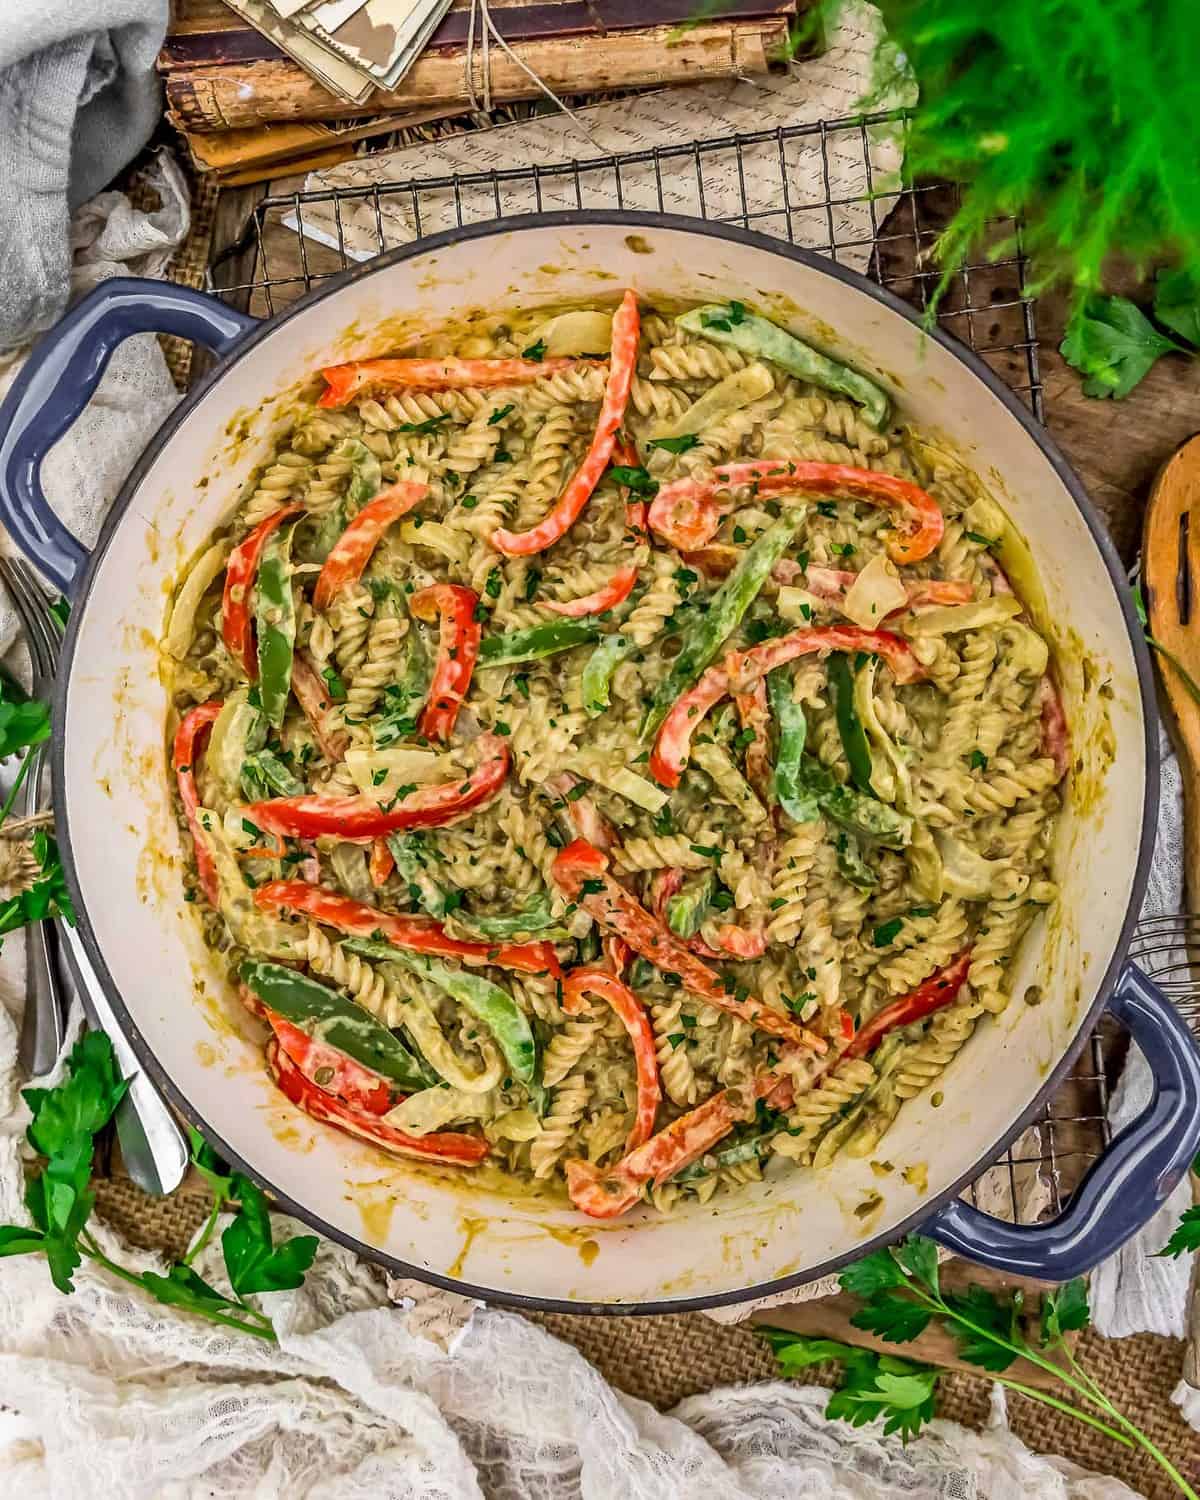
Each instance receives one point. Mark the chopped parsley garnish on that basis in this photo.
(676, 444)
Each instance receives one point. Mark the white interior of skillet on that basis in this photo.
(127, 849)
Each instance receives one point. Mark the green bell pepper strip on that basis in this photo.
(535, 916)
(264, 773)
(536, 642)
(611, 652)
(863, 816)
(746, 331)
(744, 1150)
(850, 726)
(705, 634)
(404, 700)
(486, 1001)
(431, 895)
(598, 673)
(331, 1017)
(275, 617)
(792, 731)
(685, 910)
(851, 863)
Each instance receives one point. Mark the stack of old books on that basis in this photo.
(260, 88)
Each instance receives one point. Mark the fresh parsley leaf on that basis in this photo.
(994, 1320)
(798, 1004)
(337, 688)
(15, 1239)
(919, 1257)
(977, 760)
(22, 724)
(591, 888)
(535, 351)
(1065, 1309)
(904, 1396)
(252, 1260)
(893, 1316)
(1177, 303)
(48, 896)
(210, 1166)
(636, 479)
(795, 1351)
(500, 413)
(1186, 1235)
(183, 1287)
(887, 932)
(493, 584)
(715, 320)
(1113, 344)
(737, 313)
(682, 444)
(980, 540)
(874, 1273)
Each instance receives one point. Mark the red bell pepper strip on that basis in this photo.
(330, 1069)
(584, 818)
(617, 954)
(417, 934)
(687, 512)
(831, 585)
(745, 667)
(620, 585)
(382, 862)
(344, 382)
(614, 592)
(582, 872)
(354, 818)
(598, 982)
(740, 670)
(673, 742)
(194, 727)
(742, 942)
(607, 1192)
(937, 992)
(626, 329)
(236, 628)
(445, 1146)
(459, 635)
(317, 705)
(352, 550)
(1056, 737)
(755, 716)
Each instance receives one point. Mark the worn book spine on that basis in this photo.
(236, 95)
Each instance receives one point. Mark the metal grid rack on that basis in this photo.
(764, 182)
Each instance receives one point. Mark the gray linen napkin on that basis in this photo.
(78, 100)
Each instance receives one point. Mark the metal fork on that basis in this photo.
(43, 1027)
(154, 1148)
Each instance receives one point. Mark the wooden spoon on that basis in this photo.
(1171, 579)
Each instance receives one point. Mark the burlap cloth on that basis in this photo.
(663, 1359)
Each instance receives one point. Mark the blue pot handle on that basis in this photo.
(58, 380)
(1141, 1167)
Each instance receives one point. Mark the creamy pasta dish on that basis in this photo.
(613, 748)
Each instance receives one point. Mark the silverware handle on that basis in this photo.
(44, 1024)
(153, 1146)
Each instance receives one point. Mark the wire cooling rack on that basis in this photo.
(292, 242)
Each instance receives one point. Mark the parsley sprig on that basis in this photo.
(1186, 1236)
(24, 725)
(901, 1297)
(66, 1121)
